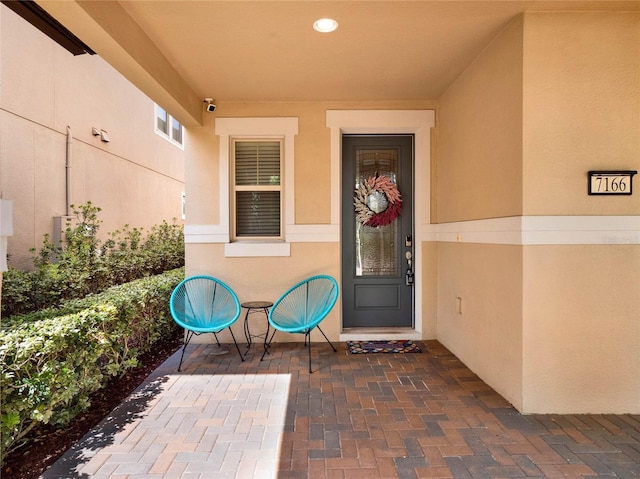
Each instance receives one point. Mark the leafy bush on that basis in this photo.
(84, 264)
(52, 360)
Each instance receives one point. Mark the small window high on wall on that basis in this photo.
(168, 127)
(257, 189)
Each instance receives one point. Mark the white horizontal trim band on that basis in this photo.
(294, 234)
(205, 234)
(516, 230)
(539, 230)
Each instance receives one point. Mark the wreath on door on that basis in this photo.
(377, 201)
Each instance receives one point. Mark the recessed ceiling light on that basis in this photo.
(325, 25)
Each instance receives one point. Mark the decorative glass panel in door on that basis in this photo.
(376, 248)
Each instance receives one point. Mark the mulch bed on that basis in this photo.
(50, 443)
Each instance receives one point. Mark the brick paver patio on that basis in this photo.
(372, 415)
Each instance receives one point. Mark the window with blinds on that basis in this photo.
(257, 188)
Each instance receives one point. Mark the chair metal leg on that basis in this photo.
(236, 343)
(307, 338)
(325, 337)
(247, 332)
(187, 338)
(266, 335)
(267, 345)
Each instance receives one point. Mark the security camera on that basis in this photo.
(211, 106)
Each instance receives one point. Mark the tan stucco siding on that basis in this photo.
(581, 329)
(582, 112)
(137, 178)
(480, 311)
(570, 287)
(581, 100)
(265, 279)
(479, 176)
(479, 130)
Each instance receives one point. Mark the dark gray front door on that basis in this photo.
(377, 231)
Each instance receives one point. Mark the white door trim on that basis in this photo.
(389, 122)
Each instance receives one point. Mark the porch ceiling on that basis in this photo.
(179, 51)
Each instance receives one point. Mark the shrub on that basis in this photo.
(84, 264)
(52, 360)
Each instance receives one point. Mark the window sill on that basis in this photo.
(236, 250)
(166, 137)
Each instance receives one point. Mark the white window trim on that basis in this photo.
(284, 128)
(164, 135)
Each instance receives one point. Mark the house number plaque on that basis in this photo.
(611, 182)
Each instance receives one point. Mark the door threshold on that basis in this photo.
(378, 334)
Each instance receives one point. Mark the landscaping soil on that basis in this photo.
(48, 443)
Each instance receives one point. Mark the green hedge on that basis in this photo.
(83, 263)
(51, 361)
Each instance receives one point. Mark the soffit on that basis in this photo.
(267, 50)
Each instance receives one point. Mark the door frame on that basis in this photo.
(389, 122)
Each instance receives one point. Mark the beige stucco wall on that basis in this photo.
(137, 178)
(581, 315)
(581, 329)
(552, 319)
(479, 159)
(479, 176)
(581, 110)
(479, 311)
(266, 278)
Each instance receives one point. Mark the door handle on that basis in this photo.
(408, 279)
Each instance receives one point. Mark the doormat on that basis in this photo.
(367, 347)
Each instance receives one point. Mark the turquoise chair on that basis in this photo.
(302, 307)
(203, 304)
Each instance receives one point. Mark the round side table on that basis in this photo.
(256, 307)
